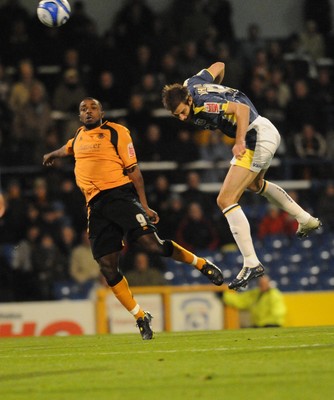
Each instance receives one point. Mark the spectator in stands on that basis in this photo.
(83, 268)
(80, 29)
(75, 207)
(236, 72)
(153, 147)
(194, 193)
(50, 266)
(6, 118)
(277, 80)
(251, 44)
(226, 30)
(10, 11)
(24, 273)
(226, 239)
(300, 108)
(261, 66)
(5, 83)
(172, 216)
(276, 222)
(138, 117)
(20, 91)
(193, 21)
(321, 13)
(23, 251)
(190, 61)
(169, 68)
(31, 123)
(272, 110)
(14, 220)
(40, 194)
(184, 148)
(20, 44)
(71, 60)
(159, 194)
(33, 215)
(149, 89)
(108, 91)
(143, 273)
(196, 231)
(275, 54)
(265, 303)
(51, 141)
(69, 92)
(66, 238)
(324, 92)
(143, 64)
(312, 42)
(325, 206)
(311, 147)
(133, 24)
(2, 202)
(257, 87)
(214, 150)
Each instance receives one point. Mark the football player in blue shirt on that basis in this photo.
(203, 101)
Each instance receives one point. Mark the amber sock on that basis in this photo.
(125, 297)
(182, 255)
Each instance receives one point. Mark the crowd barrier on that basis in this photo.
(184, 308)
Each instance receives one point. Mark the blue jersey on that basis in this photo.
(210, 103)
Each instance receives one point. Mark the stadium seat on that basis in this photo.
(72, 290)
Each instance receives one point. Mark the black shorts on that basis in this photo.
(114, 214)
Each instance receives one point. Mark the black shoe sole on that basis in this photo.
(237, 284)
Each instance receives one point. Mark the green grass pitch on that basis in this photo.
(284, 364)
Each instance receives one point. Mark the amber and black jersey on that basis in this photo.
(101, 156)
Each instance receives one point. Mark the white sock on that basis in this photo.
(240, 229)
(279, 197)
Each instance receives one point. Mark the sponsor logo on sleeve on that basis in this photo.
(131, 150)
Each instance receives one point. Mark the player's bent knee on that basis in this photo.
(167, 248)
(223, 201)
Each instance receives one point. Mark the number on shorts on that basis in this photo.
(141, 219)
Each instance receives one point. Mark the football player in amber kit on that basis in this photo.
(108, 175)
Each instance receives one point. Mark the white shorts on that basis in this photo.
(267, 142)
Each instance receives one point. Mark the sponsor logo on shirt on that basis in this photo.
(213, 108)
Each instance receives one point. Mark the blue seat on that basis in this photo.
(72, 290)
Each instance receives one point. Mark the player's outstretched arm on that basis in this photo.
(217, 70)
(49, 158)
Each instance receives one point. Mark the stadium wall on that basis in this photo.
(174, 308)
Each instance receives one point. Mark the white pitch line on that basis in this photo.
(150, 351)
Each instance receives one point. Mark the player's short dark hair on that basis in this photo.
(92, 98)
(173, 95)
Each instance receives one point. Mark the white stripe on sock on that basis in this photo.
(135, 310)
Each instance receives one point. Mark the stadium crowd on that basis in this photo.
(290, 81)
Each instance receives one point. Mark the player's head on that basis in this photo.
(91, 112)
(178, 101)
